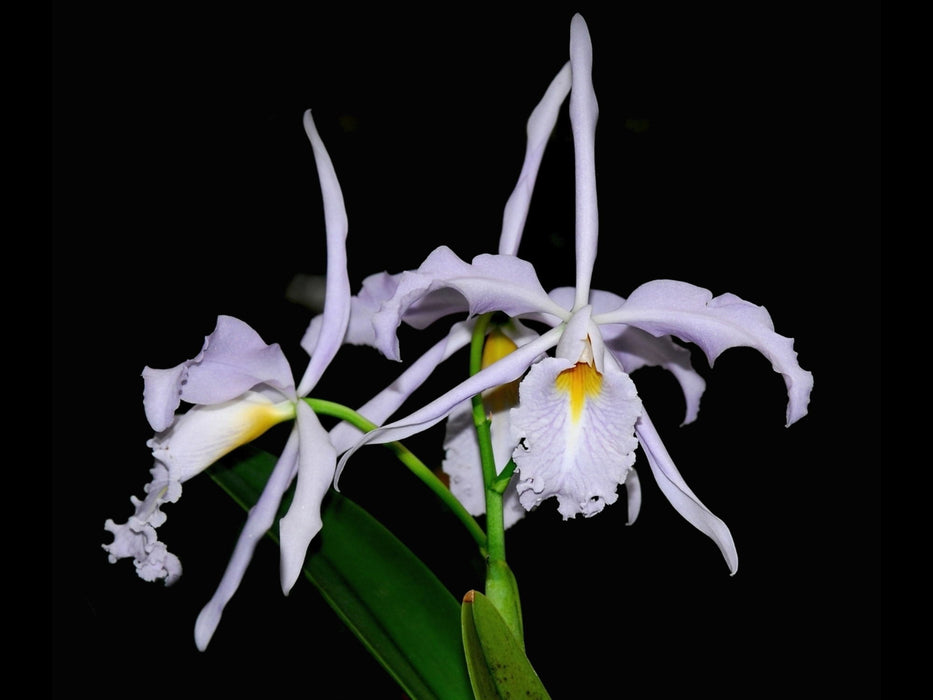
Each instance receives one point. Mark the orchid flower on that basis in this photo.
(579, 419)
(238, 387)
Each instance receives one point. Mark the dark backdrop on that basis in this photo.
(737, 149)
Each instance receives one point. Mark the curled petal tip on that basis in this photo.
(294, 542)
(206, 625)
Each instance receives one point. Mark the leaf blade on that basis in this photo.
(496, 661)
(398, 609)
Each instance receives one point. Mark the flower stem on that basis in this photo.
(501, 587)
(415, 465)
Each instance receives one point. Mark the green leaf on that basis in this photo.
(498, 665)
(391, 601)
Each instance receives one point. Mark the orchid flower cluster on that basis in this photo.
(548, 410)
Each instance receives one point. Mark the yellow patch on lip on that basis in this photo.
(259, 417)
(580, 381)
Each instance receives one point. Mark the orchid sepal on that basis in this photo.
(715, 324)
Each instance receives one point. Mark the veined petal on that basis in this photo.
(489, 283)
(336, 312)
(204, 434)
(679, 494)
(317, 460)
(667, 307)
(233, 360)
(540, 125)
(575, 433)
(583, 115)
(260, 519)
(505, 370)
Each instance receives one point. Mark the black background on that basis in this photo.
(738, 149)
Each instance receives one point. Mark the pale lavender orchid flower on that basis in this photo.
(579, 417)
(238, 387)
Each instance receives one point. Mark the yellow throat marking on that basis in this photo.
(260, 417)
(580, 382)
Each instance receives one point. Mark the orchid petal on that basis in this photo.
(232, 360)
(540, 125)
(714, 324)
(261, 517)
(162, 394)
(316, 461)
(206, 433)
(679, 494)
(633, 348)
(490, 283)
(137, 537)
(503, 371)
(336, 312)
(583, 115)
(574, 448)
(463, 465)
(633, 494)
(462, 460)
(375, 290)
(564, 296)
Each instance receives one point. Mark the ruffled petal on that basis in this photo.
(233, 360)
(667, 307)
(261, 517)
(204, 434)
(137, 537)
(540, 125)
(679, 494)
(317, 460)
(576, 443)
(336, 314)
(376, 290)
(489, 283)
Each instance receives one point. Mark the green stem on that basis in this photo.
(501, 587)
(415, 465)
